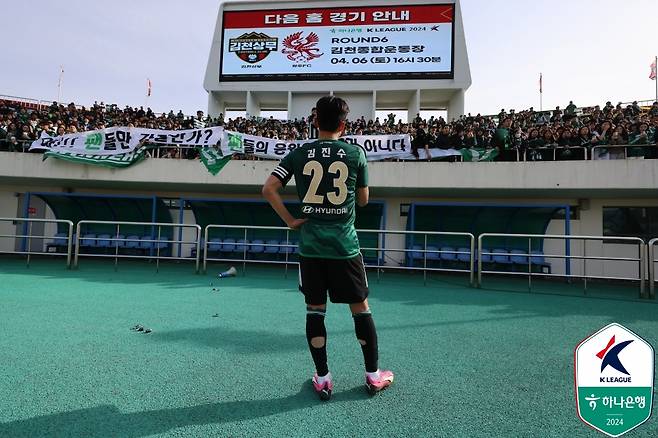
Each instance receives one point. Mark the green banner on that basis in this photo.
(478, 154)
(114, 161)
(213, 160)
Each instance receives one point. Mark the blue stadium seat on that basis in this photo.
(486, 258)
(537, 259)
(416, 253)
(240, 245)
(271, 248)
(433, 253)
(88, 240)
(103, 241)
(295, 249)
(464, 257)
(447, 255)
(288, 249)
(132, 241)
(60, 239)
(144, 244)
(228, 245)
(214, 245)
(162, 243)
(518, 257)
(257, 247)
(118, 243)
(500, 256)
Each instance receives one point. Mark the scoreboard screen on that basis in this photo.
(370, 42)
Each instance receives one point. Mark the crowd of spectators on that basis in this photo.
(526, 130)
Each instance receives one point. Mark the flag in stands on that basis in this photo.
(148, 87)
(652, 75)
(540, 83)
(213, 160)
(478, 154)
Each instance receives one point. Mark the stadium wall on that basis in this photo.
(589, 186)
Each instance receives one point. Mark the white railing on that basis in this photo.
(149, 248)
(27, 238)
(532, 258)
(471, 259)
(651, 249)
(383, 259)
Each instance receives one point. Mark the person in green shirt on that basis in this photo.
(502, 138)
(331, 176)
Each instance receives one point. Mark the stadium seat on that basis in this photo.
(257, 247)
(228, 245)
(60, 239)
(271, 248)
(486, 258)
(240, 245)
(132, 241)
(290, 249)
(432, 253)
(118, 242)
(214, 245)
(162, 243)
(103, 241)
(88, 241)
(144, 242)
(537, 259)
(464, 257)
(447, 253)
(518, 257)
(416, 253)
(500, 256)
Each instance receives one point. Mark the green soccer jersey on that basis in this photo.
(327, 174)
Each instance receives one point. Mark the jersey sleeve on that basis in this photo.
(362, 170)
(284, 170)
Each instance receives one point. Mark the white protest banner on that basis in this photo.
(121, 140)
(376, 147)
(108, 141)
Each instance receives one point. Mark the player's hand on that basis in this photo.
(296, 224)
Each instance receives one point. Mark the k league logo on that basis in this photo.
(614, 373)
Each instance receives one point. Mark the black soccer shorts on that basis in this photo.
(344, 280)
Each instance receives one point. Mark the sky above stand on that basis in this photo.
(589, 51)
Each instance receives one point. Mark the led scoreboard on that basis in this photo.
(387, 42)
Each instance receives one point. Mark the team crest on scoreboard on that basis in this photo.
(253, 47)
(300, 48)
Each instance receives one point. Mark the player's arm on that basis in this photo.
(362, 190)
(362, 196)
(271, 192)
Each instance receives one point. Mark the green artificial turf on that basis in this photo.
(468, 362)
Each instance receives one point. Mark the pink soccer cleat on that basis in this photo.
(384, 381)
(323, 387)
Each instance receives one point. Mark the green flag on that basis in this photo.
(114, 161)
(478, 154)
(213, 160)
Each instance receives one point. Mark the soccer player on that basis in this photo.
(330, 176)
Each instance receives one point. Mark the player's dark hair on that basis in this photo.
(331, 111)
